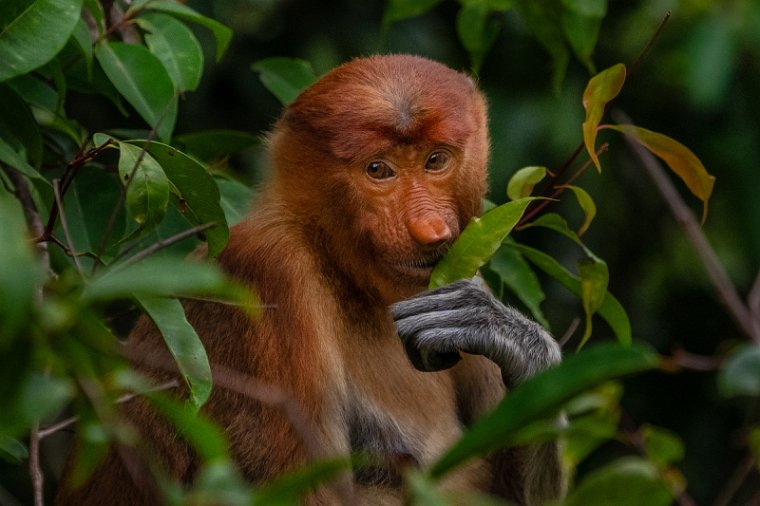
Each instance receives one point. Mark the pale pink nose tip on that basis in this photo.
(429, 231)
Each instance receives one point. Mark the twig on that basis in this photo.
(753, 301)
(64, 223)
(569, 332)
(559, 188)
(68, 422)
(248, 386)
(164, 243)
(650, 44)
(35, 470)
(32, 215)
(736, 481)
(725, 289)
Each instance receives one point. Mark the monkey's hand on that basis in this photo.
(437, 325)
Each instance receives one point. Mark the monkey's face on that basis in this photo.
(387, 157)
(413, 201)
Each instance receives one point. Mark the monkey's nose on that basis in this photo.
(429, 231)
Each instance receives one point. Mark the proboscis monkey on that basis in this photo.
(376, 169)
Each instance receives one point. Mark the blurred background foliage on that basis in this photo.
(698, 84)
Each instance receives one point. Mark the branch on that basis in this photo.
(68, 422)
(164, 243)
(65, 224)
(685, 218)
(34, 222)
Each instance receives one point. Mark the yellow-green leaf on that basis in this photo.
(678, 157)
(601, 88)
(522, 182)
(594, 280)
(478, 242)
(587, 205)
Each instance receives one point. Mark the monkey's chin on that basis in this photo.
(414, 274)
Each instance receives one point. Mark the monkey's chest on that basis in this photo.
(399, 417)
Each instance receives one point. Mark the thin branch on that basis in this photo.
(685, 218)
(737, 479)
(123, 195)
(569, 332)
(32, 215)
(68, 422)
(650, 44)
(753, 301)
(35, 470)
(34, 222)
(559, 188)
(164, 243)
(64, 223)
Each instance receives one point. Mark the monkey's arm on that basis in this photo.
(437, 325)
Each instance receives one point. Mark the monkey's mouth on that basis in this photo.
(419, 268)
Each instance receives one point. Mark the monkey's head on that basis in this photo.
(383, 161)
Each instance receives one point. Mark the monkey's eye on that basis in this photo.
(437, 161)
(379, 170)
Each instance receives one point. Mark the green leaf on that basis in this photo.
(600, 90)
(515, 272)
(205, 436)
(41, 397)
(198, 198)
(663, 447)
(587, 205)
(9, 156)
(183, 343)
(291, 487)
(754, 444)
(543, 395)
(143, 81)
(523, 181)
(177, 48)
(159, 277)
(594, 419)
(424, 491)
(96, 10)
(17, 122)
(611, 310)
(20, 271)
(681, 160)
(12, 450)
(219, 483)
(222, 34)
(594, 279)
(33, 36)
(147, 185)
(235, 199)
(212, 145)
(478, 242)
(624, 482)
(740, 374)
(396, 10)
(83, 40)
(581, 22)
(544, 20)
(478, 29)
(557, 223)
(286, 78)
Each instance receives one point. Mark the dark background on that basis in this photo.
(700, 85)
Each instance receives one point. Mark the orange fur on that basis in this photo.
(327, 249)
